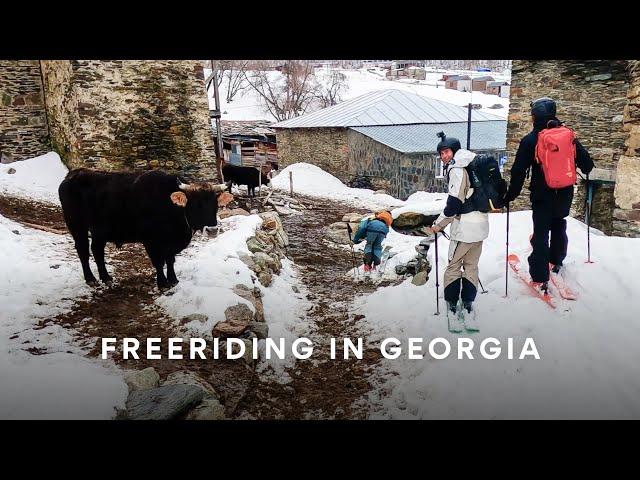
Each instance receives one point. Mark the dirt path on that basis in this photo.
(324, 388)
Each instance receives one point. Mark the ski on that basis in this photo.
(514, 263)
(563, 289)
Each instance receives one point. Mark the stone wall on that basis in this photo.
(130, 115)
(626, 216)
(325, 147)
(591, 97)
(403, 173)
(23, 122)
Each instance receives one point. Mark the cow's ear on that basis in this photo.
(179, 198)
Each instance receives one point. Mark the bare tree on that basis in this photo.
(235, 75)
(331, 92)
(289, 96)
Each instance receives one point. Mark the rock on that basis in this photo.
(194, 317)
(247, 260)
(253, 211)
(162, 403)
(16, 232)
(225, 199)
(238, 313)
(283, 210)
(265, 278)
(11, 171)
(401, 269)
(254, 296)
(229, 329)
(145, 379)
(248, 350)
(264, 261)
(295, 289)
(412, 219)
(254, 245)
(225, 213)
(420, 278)
(261, 329)
(338, 233)
(185, 377)
(381, 192)
(209, 409)
(352, 217)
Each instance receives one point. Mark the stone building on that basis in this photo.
(389, 136)
(600, 100)
(111, 115)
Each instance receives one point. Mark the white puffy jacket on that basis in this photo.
(467, 227)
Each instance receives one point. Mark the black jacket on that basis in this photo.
(525, 159)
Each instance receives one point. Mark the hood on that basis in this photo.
(462, 158)
(540, 122)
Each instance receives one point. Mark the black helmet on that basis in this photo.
(543, 107)
(447, 142)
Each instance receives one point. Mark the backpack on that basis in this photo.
(488, 185)
(556, 154)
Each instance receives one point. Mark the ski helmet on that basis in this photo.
(543, 107)
(447, 142)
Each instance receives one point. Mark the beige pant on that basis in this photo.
(463, 262)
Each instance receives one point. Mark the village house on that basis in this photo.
(459, 82)
(412, 73)
(497, 88)
(249, 143)
(388, 136)
(479, 84)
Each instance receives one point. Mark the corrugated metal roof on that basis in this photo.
(422, 138)
(385, 107)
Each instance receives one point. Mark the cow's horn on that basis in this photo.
(185, 186)
(218, 187)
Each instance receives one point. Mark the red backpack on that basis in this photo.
(556, 154)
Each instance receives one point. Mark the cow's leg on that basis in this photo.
(81, 239)
(157, 259)
(97, 248)
(171, 274)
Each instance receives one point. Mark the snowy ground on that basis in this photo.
(247, 104)
(35, 179)
(37, 281)
(590, 363)
(312, 181)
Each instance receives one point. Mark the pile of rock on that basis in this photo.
(284, 204)
(183, 395)
(268, 247)
(419, 266)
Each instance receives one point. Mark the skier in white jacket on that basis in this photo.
(467, 232)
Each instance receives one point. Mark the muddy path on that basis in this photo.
(322, 388)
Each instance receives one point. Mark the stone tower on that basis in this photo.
(119, 115)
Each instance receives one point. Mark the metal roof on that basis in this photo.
(422, 138)
(385, 107)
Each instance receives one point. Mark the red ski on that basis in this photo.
(514, 263)
(563, 289)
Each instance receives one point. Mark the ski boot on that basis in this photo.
(453, 318)
(468, 317)
(556, 269)
(542, 287)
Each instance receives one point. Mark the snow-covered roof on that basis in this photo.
(423, 139)
(385, 107)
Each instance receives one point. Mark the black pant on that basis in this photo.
(549, 218)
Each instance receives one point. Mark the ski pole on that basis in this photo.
(437, 276)
(353, 254)
(506, 259)
(589, 202)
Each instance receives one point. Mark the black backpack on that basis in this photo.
(488, 185)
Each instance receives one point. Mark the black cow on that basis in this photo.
(248, 176)
(152, 208)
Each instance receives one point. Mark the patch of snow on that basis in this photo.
(39, 280)
(35, 179)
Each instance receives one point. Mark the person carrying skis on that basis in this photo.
(469, 228)
(550, 205)
(374, 228)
